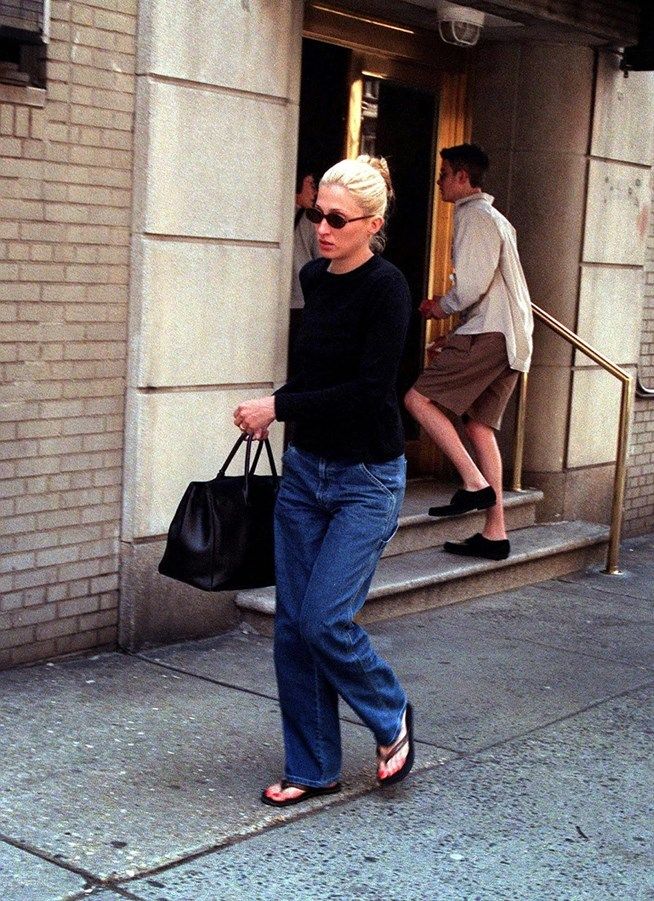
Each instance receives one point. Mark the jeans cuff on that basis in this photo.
(311, 783)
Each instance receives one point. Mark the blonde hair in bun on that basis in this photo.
(368, 180)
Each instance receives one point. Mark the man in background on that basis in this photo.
(475, 371)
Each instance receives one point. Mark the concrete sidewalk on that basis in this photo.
(139, 776)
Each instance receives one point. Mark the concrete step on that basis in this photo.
(417, 530)
(428, 578)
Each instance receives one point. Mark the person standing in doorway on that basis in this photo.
(342, 487)
(474, 372)
(305, 249)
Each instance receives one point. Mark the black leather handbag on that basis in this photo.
(221, 536)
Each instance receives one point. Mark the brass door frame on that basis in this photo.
(406, 55)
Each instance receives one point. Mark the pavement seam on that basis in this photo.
(49, 858)
(116, 884)
(562, 719)
(355, 794)
(554, 647)
(362, 792)
(111, 886)
(266, 697)
(94, 882)
(202, 677)
(294, 816)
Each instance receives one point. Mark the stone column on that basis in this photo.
(576, 221)
(216, 135)
(612, 282)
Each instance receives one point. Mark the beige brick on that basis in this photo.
(115, 22)
(10, 147)
(37, 503)
(76, 462)
(100, 513)
(109, 600)
(56, 153)
(73, 644)
(34, 540)
(15, 251)
(34, 150)
(98, 620)
(41, 252)
(12, 638)
(77, 606)
(58, 80)
(81, 534)
(6, 583)
(6, 119)
(11, 600)
(82, 15)
(37, 124)
(80, 569)
(106, 583)
(21, 122)
(56, 628)
(107, 637)
(46, 272)
(9, 230)
(43, 231)
(34, 577)
(40, 650)
(57, 592)
(55, 518)
(33, 615)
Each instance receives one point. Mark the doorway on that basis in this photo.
(393, 120)
(377, 87)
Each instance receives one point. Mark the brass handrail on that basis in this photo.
(626, 403)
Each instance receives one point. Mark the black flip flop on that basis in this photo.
(308, 791)
(405, 769)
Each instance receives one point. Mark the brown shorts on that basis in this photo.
(471, 377)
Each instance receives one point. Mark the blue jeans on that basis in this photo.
(332, 520)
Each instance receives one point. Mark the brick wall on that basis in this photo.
(639, 503)
(65, 201)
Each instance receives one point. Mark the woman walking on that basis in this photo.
(342, 488)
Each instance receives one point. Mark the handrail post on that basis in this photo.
(622, 453)
(620, 478)
(519, 435)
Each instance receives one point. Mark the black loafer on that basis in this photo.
(478, 546)
(463, 501)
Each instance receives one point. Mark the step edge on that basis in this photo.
(262, 600)
(513, 499)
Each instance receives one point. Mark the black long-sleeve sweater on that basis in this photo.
(344, 399)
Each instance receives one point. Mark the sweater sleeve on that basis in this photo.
(476, 254)
(385, 334)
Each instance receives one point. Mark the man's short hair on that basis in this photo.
(469, 157)
(300, 175)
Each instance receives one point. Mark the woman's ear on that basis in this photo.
(375, 224)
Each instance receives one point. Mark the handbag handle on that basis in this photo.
(249, 470)
(232, 454)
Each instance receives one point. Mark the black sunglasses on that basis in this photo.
(335, 220)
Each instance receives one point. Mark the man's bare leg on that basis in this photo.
(487, 452)
(442, 433)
